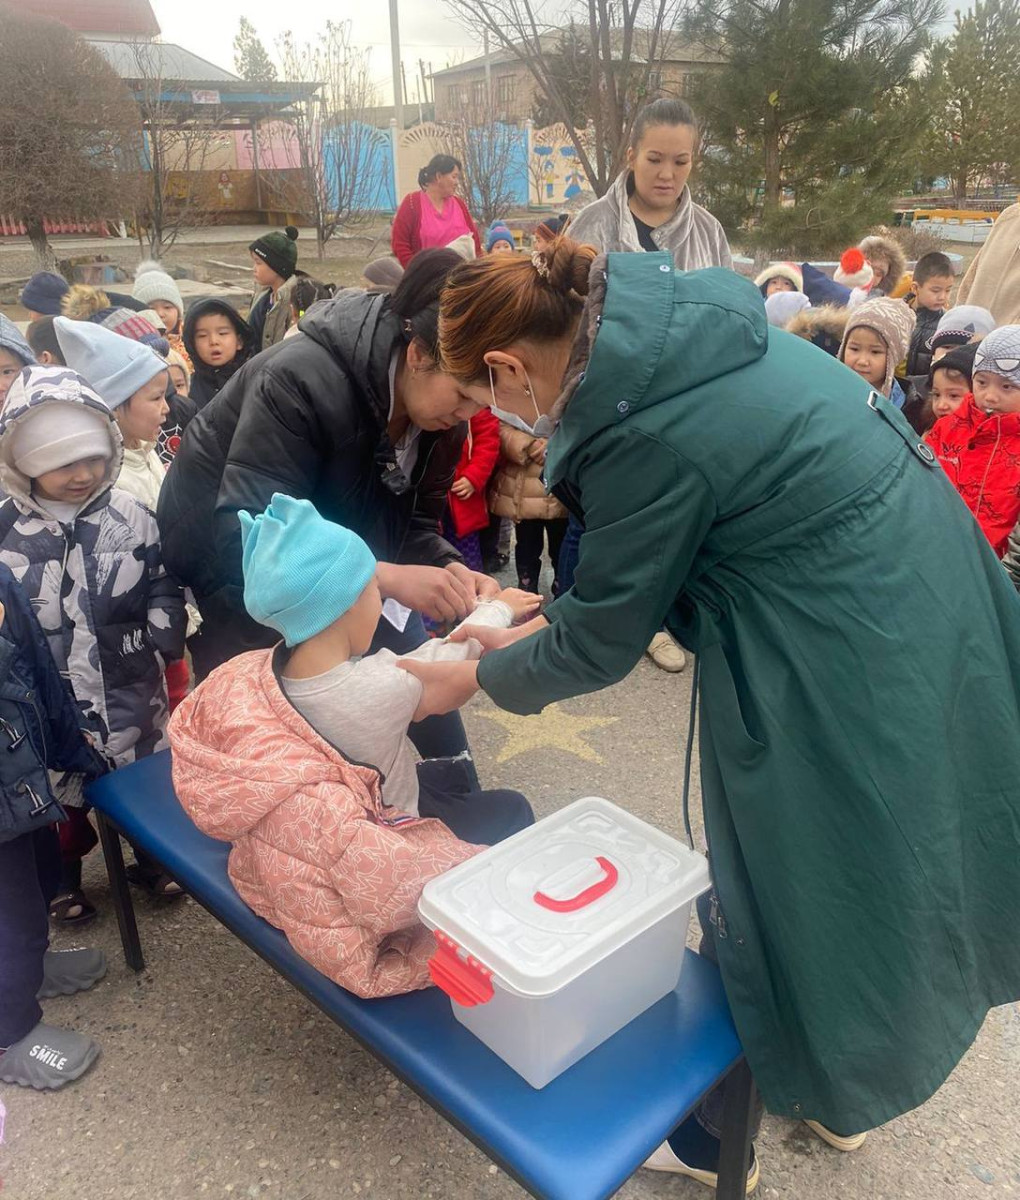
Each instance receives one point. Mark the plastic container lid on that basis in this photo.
(549, 903)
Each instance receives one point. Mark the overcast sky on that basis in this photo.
(208, 29)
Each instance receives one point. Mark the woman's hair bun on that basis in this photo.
(569, 264)
(291, 232)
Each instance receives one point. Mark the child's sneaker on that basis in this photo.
(47, 1058)
(692, 1151)
(68, 971)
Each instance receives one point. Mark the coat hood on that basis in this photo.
(648, 334)
(672, 233)
(353, 327)
(254, 767)
(823, 326)
(692, 235)
(51, 385)
(12, 339)
(205, 308)
(217, 376)
(887, 248)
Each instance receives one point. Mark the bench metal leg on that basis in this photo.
(123, 905)
(735, 1149)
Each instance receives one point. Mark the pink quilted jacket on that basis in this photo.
(315, 851)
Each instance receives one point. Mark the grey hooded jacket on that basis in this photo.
(692, 235)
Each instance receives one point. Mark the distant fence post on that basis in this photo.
(529, 130)
(395, 155)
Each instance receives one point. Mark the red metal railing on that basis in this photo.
(11, 228)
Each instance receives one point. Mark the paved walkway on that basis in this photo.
(217, 1079)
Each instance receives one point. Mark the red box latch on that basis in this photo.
(464, 980)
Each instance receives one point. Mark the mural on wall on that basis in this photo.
(557, 176)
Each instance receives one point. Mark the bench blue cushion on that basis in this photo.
(580, 1137)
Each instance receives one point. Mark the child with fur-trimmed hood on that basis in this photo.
(822, 325)
(887, 261)
(780, 277)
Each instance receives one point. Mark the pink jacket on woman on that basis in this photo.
(314, 849)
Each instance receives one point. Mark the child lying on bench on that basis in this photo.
(299, 757)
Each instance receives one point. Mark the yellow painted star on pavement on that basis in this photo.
(553, 729)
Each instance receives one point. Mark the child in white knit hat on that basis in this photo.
(158, 290)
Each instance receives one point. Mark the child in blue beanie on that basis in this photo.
(500, 239)
(314, 582)
(15, 355)
(43, 293)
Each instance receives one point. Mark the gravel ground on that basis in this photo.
(219, 1079)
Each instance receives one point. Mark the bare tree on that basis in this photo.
(492, 160)
(344, 160)
(69, 130)
(621, 42)
(180, 134)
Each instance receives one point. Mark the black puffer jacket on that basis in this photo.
(308, 418)
(208, 381)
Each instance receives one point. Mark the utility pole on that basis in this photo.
(488, 71)
(398, 91)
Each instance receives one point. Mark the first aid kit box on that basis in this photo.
(553, 940)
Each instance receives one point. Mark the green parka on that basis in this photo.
(859, 648)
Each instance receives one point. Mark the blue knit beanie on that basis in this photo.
(115, 366)
(499, 231)
(11, 339)
(43, 293)
(301, 572)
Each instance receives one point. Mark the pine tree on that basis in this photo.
(251, 59)
(974, 88)
(814, 122)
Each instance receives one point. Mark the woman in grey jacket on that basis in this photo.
(649, 207)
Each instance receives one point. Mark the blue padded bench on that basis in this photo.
(579, 1138)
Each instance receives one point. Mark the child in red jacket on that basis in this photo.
(468, 508)
(978, 445)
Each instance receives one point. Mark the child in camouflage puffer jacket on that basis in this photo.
(88, 556)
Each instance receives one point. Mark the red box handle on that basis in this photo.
(465, 981)
(588, 896)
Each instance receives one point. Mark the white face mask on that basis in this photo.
(544, 426)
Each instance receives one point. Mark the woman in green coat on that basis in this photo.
(859, 650)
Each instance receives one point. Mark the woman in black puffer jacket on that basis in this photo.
(354, 415)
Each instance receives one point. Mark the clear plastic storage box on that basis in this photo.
(550, 942)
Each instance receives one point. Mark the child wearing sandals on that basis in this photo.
(87, 555)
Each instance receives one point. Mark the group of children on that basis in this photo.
(954, 374)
